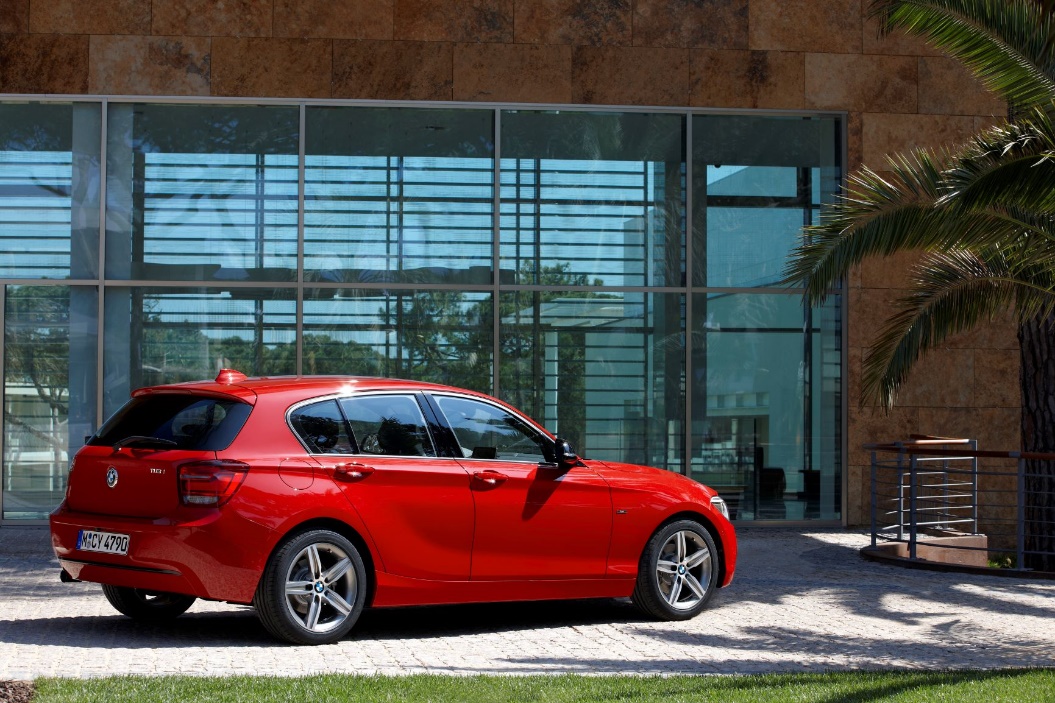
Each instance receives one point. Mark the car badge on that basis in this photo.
(111, 477)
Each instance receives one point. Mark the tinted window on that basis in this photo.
(485, 431)
(388, 424)
(188, 421)
(321, 426)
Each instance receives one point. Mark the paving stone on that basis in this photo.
(801, 601)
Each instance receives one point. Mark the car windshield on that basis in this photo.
(174, 421)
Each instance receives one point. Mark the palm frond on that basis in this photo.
(1005, 43)
(952, 292)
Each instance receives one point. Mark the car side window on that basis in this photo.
(485, 431)
(322, 428)
(388, 425)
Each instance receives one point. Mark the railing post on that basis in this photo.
(875, 497)
(1020, 557)
(912, 507)
(974, 487)
(900, 496)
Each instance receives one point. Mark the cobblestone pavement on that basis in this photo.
(800, 601)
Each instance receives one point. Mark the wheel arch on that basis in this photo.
(346, 531)
(708, 525)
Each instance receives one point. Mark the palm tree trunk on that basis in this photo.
(1037, 340)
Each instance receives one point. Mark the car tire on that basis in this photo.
(313, 588)
(147, 606)
(678, 572)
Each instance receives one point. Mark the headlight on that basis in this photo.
(718, 504)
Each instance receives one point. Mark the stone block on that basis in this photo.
(385, 70)
(43, 63)
(14, 16)
(281, 68)
(512, 73)
(231, 18)
(122, 65)
(898, 43)
(326, 19)
(711, 24)
(946, 87)
(996, 378)
(600, 23)
(630, 76)
(829, 26)
(885, 134)
(752, 79)
(861, 83)
(454, 20)
(89, 17)
(866, 425)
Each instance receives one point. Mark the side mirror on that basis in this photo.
(564, 456)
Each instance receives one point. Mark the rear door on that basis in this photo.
(415, 504)
(130, 467)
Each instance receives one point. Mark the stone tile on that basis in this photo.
(831, 26)
(889, 271)
(385, 70)
(868, 308)
(454, 20)
(122, 65)
(598, 23)
(43, 63)
(996, 379)
(897, 43)
(285, 68)
(854, 140)
(630, 76)
(326, 19)
(890, 134)
(1000, 334)
(512, 73)
(868, 424)
(14, 16)
(942, 378)
(864, 83)
(89, 16)
(231, 18)
(711, 24)
(996, 429)
(755, 79)
(946, 87)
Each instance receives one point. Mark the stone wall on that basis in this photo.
(775, 54)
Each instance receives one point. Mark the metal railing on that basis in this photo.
(939, 499)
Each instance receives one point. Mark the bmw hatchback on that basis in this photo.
(312, 498)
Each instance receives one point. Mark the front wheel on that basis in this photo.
(313, 588)
(147, 606)
(677, 573)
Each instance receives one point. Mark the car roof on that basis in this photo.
(248, 389)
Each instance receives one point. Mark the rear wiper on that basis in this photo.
(139, 440)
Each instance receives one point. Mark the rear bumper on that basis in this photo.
(213, 555)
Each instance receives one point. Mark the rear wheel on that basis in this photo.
(147, 606)
(678, 572)
(313, 588)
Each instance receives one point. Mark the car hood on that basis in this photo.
(615, 472)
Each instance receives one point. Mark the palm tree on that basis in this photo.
(981, 218)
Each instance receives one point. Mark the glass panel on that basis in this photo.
(603, 370)
(190, 422)
(49, 190)
(50, 337)
(168, 335)
(438, 336)
(485, 431)
(756, 182)
(595, 199)
(766, 405)
(388, 424)
(398, 195)
(322, 427)
(201, 193)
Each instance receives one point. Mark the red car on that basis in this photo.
(315, 497)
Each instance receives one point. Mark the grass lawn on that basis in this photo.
(848, 687)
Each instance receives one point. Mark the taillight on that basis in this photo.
(210, 482)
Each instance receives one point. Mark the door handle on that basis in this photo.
(352, 471)
(491, 478)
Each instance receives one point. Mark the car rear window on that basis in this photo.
(187, 421)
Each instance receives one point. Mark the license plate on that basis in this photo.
(106, 542)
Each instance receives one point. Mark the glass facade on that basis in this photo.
(613, 274)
